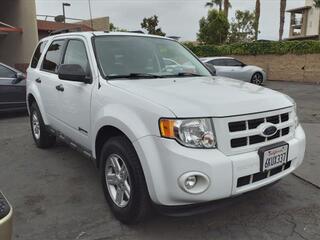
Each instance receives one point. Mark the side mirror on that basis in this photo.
(243, 65)
(72, 72)
(211, 69)
(18, 78)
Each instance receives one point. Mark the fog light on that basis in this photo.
(194, 182)
(190, 182)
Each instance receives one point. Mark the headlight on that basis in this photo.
(194, 133)
(296, 118)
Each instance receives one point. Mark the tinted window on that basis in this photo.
(37, 54)
(218, 62)
(6, 72)
(233, 63)
(76, 54)
(52, 59)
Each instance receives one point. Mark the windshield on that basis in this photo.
(145, 57)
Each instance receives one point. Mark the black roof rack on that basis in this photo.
(65, 30)
(137, 31)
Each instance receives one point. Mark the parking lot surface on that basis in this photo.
(56, 193)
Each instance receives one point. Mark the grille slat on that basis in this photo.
(243, 181)
(252, 124)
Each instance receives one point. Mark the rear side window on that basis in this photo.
(218, 62)
(52, 58)
(37, 54)
(233, 63)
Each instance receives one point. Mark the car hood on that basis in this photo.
(206, 96)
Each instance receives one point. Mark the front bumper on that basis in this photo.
(164, 161)
(5, 219)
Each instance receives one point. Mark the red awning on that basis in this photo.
(6, 28)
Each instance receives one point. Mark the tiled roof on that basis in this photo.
(53, 26)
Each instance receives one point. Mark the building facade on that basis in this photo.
(18, 32)
(304, 22)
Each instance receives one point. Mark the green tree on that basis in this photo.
(317, 5)
(242, 27)
(257, 19)
(151, 24)
(213, 28)
(283, 6)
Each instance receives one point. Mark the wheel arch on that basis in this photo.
(104, 134)
(33, 96)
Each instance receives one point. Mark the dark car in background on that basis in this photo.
(12, 89)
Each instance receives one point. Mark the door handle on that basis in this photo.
(60, 88)
(38, 80)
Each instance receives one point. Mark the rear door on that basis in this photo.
(12, 95)
(236, 69)
(47, 80)
(220, 66)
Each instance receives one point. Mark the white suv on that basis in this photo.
(161, 135)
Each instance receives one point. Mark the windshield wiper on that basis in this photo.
(133, 76)
(185, 74)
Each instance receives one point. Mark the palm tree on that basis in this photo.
(257, 20)
(212, 3)
(283, 6)
(317, 5)
(226, 5)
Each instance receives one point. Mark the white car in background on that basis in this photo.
(233, 68)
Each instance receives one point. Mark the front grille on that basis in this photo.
(248, 127)
(249, 179)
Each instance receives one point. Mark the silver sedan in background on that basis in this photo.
(233, 68)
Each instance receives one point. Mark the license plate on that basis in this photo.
(273, 156)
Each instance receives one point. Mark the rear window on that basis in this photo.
(52, 58)
(37, 54)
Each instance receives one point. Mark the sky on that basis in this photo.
(176, 17)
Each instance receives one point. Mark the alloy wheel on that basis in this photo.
(36, 125)
(257, 79)
(118, 180)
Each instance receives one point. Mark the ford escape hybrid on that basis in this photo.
(158, 125)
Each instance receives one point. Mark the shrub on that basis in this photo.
(257, 48)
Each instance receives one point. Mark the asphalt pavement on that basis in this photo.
(57, 195)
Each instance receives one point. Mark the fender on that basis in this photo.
(34, 91)
(134, 128)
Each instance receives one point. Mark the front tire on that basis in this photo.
(41, 135)
(257, 78)
(123, 181)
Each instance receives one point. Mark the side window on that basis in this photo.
(37, 54)
(233, 63)
(217, 62)
(6, 72)
(76, 54)
(52, 58)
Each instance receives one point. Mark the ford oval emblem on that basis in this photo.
(269, 131)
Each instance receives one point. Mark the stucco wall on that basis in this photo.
(300, 68)
(313, 21)
(17, 48)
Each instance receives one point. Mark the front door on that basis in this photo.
(75, 99)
